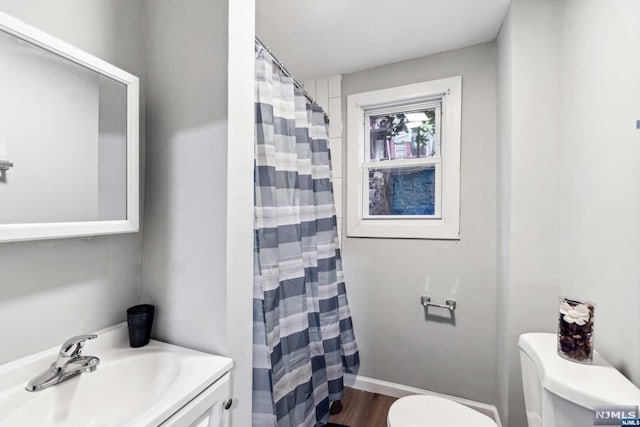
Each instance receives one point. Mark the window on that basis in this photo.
(402, 161)
(403, 164)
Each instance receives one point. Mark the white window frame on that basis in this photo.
(445, 223)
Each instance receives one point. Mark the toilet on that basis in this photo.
(561, 393)
(432, 411)
(557, 392)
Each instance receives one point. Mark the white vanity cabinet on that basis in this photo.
(205, 410)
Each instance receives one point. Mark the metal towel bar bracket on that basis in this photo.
(5, 165)
(449, 304)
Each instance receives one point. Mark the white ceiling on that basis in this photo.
(325, 37)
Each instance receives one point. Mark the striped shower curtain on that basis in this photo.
(303, 336)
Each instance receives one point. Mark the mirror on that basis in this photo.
(68, 139)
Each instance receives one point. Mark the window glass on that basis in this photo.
(405, 135)
(402, 190)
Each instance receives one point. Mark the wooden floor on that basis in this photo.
(363, 409)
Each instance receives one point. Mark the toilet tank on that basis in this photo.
(561, 393)
(532, 386)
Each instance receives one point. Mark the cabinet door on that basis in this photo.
(206, 409)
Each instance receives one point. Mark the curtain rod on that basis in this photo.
(284, 71)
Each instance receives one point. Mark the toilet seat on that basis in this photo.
(432, 411)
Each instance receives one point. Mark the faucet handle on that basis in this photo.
(73, 346)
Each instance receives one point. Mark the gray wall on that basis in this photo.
(503, 43)
(571, 226)
(184, 252)
(197, 259)
(529, 61)
(600, 171)
(385, 277)
(53, 289)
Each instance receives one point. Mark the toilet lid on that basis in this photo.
(432, 411)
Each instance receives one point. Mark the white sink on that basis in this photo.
(131, 387)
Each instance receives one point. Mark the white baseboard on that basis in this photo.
(373, 385)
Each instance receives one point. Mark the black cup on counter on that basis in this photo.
(140, 321)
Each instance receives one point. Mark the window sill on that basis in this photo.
(437, 229)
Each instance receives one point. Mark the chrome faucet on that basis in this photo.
(70, 362)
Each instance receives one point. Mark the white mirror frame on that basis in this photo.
(38, 231)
